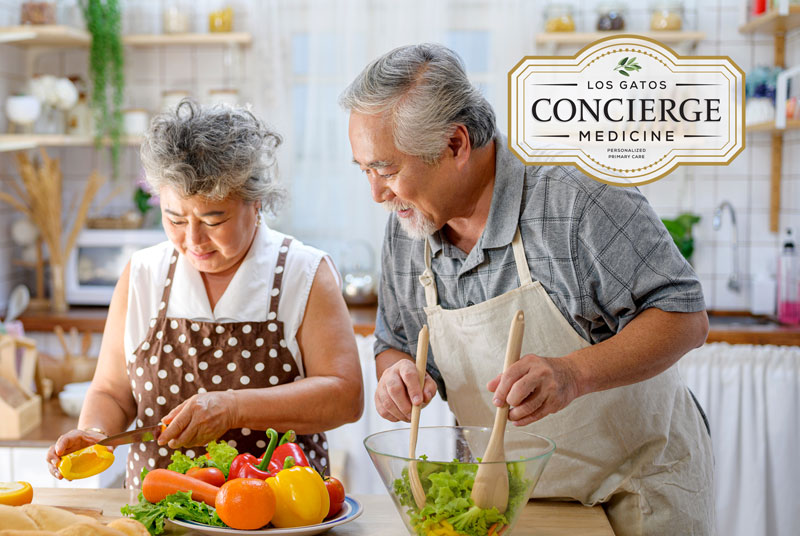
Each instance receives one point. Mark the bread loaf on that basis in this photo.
(41, 520)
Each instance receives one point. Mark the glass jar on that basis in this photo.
(177, 17)
(171, 98)
(221, 20)
(611, 17)
(38, 13)
(559, 18)
(229, 97)
(666, 16)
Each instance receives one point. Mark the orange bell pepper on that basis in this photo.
(86, 462)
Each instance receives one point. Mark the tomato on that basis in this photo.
(211, 475)
(336, 493)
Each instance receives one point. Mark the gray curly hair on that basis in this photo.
(213, 151)
(425, 92)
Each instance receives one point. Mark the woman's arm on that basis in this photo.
(331, 394)
(109, 405)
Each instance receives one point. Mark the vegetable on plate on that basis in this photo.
(245, 503)
(159, 483)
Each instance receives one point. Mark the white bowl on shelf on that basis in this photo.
(71, 398)
(23, 109)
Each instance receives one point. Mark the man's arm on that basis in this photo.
(649, 344)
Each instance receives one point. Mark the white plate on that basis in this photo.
(351, 509)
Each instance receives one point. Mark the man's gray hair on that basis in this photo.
(424, 90)
(213, 151)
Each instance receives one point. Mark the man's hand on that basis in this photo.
(398, 387)
(534, 387)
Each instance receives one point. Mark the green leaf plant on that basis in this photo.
(106, 69)
(627, 65)
(680, 229)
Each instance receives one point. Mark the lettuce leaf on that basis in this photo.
(178, 505)
(222, 455)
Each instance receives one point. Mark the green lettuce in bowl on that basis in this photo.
(447, 472)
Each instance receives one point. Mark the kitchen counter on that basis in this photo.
(733, 327)
(540, 518)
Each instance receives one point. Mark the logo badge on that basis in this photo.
(626, 110)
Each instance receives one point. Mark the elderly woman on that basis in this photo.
(228, 328)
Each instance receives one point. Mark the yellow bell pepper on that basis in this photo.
(15, 493)
(300, 497)
(86, 462)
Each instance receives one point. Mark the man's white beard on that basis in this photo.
(417, 227)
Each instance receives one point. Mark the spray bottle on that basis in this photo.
(789, 281)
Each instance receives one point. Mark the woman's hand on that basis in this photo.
(70, 442)
(398, 387)
(534, 387)
(202, 418)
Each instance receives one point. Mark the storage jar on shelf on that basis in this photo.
(666, 16)
(559, 18)
(611, 17)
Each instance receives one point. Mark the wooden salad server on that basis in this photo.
(413, 475)
(490, 488)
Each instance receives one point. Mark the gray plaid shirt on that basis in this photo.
(601, 253)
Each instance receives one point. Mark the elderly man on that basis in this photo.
(611, 305)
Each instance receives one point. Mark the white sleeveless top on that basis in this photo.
(245, 299)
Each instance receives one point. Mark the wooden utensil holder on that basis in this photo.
(18, 419)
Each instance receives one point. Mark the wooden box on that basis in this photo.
(20, 410)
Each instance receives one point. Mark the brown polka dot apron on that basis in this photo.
(180, 357)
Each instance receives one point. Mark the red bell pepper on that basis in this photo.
(286, 448)
(248, 466)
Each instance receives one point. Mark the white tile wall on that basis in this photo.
(150, 71)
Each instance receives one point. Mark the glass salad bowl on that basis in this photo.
(447, 463)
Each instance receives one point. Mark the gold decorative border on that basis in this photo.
(739, 128)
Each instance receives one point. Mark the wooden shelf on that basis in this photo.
(17, 142)
(44, 36)
(773, 23)
(583, 38)
(769, 126)
(66, 36)
(156, 40)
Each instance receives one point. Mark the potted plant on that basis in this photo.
(106, 70)
(680, 229)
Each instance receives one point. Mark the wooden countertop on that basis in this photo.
(540, 518)
(722, 330)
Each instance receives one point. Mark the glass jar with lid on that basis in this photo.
(559, 18)
(177, 16)
(221, 20)
(611, 17)
(38, 13)
(171, 98)
(666, 16)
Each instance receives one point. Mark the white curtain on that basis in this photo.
(751, 395)
(349, 457)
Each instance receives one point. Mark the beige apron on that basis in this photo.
(642, 449)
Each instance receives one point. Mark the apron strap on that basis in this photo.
(162, 307)
(278, 279)
(427, 279)
(521, 260)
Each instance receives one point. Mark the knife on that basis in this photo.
(138, 435)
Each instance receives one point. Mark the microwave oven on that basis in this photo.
(97, 261)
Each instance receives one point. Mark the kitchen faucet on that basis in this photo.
(733, 280)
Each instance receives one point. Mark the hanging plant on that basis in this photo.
(106, 66)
